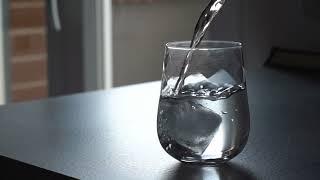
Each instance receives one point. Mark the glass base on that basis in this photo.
(210, 162)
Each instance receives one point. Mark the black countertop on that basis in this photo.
(112, 134)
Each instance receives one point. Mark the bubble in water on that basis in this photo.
(169, 147)
(236, 110)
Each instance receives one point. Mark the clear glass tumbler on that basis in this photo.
(208, 120)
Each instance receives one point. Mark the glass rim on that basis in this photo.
(178, 45)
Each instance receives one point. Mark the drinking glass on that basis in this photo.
(205, 120)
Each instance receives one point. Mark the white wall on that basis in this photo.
(257, 30)
(268, 23)
(292, 28)
(151, 25)
(263, 24)
(140, 32)
(235, 23)
(227, 24)
(259, 24)
(246, 21)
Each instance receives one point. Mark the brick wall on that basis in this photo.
(28, 50)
